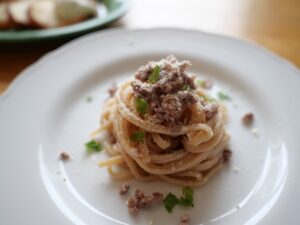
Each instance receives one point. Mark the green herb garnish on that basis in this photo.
(186, 200)
(223, 96)
(141, 105)
(208, 98)
(154, 77)
(93, 146)
(186, 87)
(138, 136)
(89, 99)
(170, 201)
(201, 83)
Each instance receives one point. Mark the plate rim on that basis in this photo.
(112, 31)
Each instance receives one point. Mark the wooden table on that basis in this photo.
(274, 24)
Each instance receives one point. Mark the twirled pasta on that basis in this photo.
(188, 155)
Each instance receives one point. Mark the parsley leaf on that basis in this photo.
(186, 87)
(93, 146)
(186, 200)
(141, 105)
(138, 136)
(201, 83)
(170, 201)
(188, 196)
(89, 99)
(208, 98)
(223, 96)
(154, 77)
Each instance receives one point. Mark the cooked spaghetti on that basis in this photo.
(162, 125)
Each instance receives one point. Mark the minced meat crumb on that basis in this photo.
(140, 200)
(64, 156)
(227, 154)
(124, 188)
(248, 119)
(210, 109)
(170, 95)
(112, 90)
(185, 219)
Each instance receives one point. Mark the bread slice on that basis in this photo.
(74, 11)
(18, 12)
(43, 14)
(5, 20)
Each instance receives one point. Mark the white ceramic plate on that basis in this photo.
(45, 111)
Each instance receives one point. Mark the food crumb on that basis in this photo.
(236, 169)
(227, 153)
(255, 132)
(64, 156)
(248, 118)
(112, 90)
(89, 99)
(76, 172)
(140, 200)
(185, 219)
(64, 180)
(124, 188)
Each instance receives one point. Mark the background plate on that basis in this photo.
(109, 11)
(45, 112)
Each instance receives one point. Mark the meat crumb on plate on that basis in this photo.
(64, 156)
(248, 119)
(112, 90)
(185, 219)
(227, 154)
(140, 200)
(124, 188)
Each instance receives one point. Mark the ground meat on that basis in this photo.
(124, 188)
(112, 90)
(227, 153)
(64, 156)
(248, 119)
(210, 109)
(185, 219)
(169, 109)
(170, 95)
(132, 206)
(140, 200)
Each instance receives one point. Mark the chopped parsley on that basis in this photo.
(186, 200)
(170, 201)
(93, 146)
(141, 105)
(208, 98)
(138, 136)
(154, 77)
(186, 87)
(201, 83)
(223, 96)
(89, 99)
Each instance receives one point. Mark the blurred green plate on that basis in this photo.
(109, 11)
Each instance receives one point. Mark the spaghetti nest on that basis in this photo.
(186, 151)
